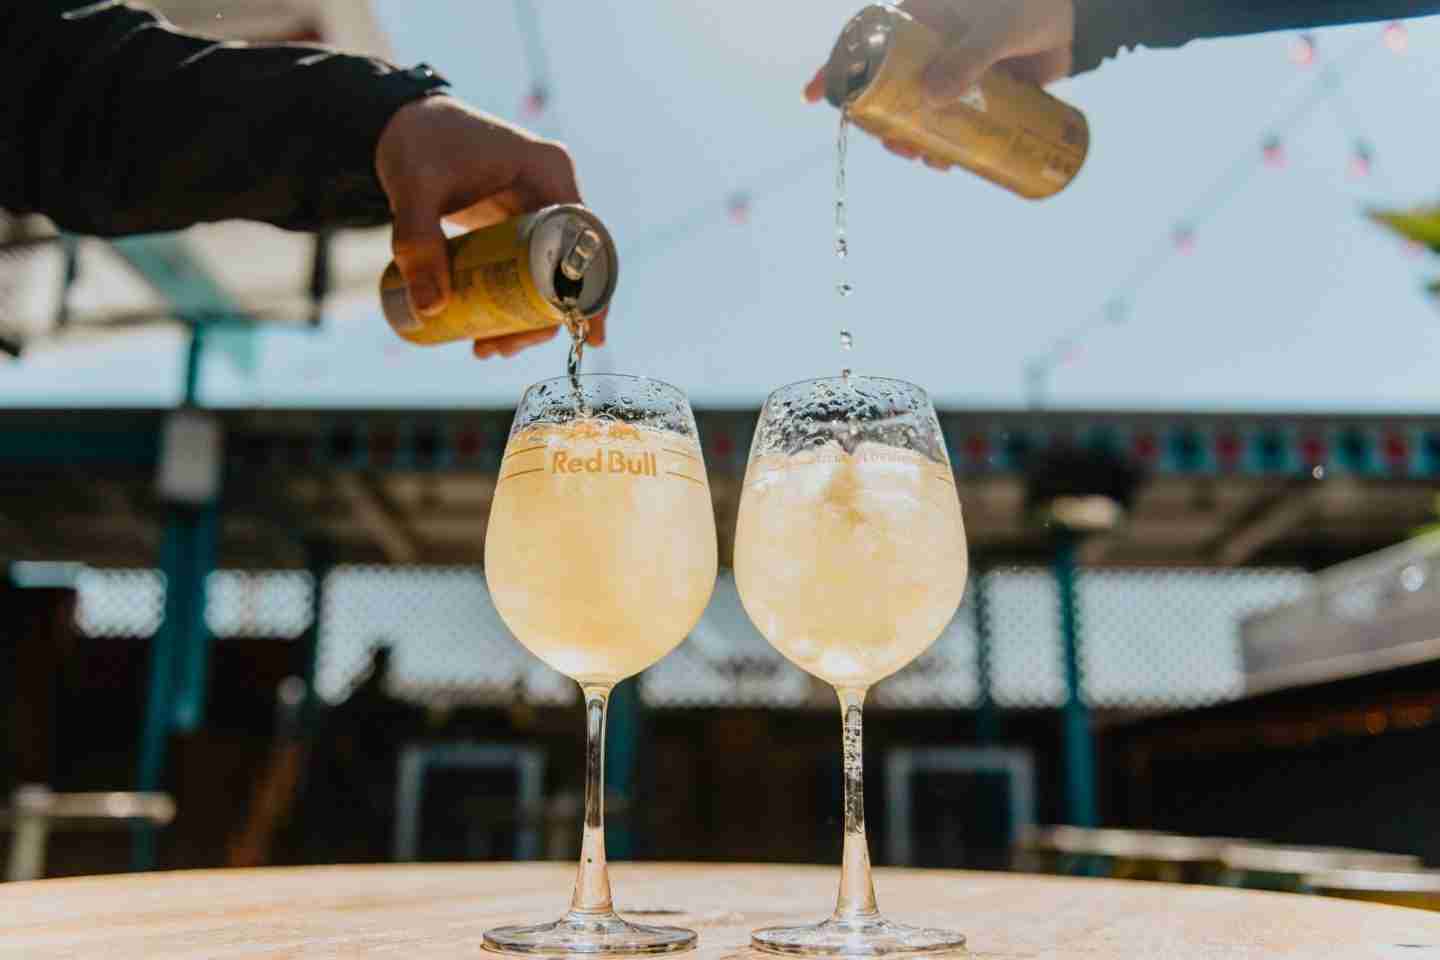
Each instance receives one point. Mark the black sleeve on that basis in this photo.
(1104, 27)
(115, 123)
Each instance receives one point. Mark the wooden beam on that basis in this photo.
(379, 515)
(1266, 523)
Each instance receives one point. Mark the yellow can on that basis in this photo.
(1011, 133)
(528, 273)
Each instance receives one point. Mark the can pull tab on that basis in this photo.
(570, 271)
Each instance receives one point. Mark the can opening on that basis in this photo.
(569, 279)
(857, 54)
(567, 290)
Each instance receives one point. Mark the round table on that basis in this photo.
(423, 912)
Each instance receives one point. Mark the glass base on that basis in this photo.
(591, 934)
(873, 937)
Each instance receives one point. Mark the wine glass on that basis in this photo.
(601, 557)
(850, 558)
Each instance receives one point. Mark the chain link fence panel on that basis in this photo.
(1149, 638)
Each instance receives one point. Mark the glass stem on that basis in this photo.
(856, 901)
(592, 881)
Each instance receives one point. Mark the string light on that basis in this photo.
(1362, 160)
(1324, 88)
(1303, 50)
(1273, 150)
(1397, 38)
(738, 208)
(535, 102)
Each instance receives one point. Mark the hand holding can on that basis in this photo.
(919, 77)
(440, 160)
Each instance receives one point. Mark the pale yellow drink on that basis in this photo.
(851, 564)
(600, 554)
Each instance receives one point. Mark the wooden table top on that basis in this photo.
(439, 912)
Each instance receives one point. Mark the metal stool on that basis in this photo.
(36, 811)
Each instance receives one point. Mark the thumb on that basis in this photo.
(959, 68)
(423, 259)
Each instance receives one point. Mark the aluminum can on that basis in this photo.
(1011, 133)
(528, 273)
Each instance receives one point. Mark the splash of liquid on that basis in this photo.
(847, 341)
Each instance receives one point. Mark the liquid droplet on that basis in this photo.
(842, 247)
(845, 375)
(846, 340)
(844, 288)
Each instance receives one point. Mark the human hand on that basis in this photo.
(438, 159)
(1031, 39)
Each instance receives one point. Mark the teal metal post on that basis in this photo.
(622, 742)
(1079, 739)
(180, 649)
(987, 720)
(192, 677)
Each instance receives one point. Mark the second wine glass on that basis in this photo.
(850, 558)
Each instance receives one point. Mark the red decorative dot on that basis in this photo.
(468, 444)
(1146, 446)
(1313, 450)
(1227, 449)
(1397, 450)
(977, 447)
(722, 445)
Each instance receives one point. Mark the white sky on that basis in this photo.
(1290, 300)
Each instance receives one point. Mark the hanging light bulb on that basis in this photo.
(1273, 151)
(1184, 239)
(738, 208)
(535, 101)
(1396, 37)
(1302, 50)
(1362, 160)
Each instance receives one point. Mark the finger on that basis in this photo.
(597, 329)
(902, 149)
(548, 175)
(935, 164)
(491, 210)
(484, 349)
(815, 89)
(957, 69)
(513, 344)
(421, 255)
